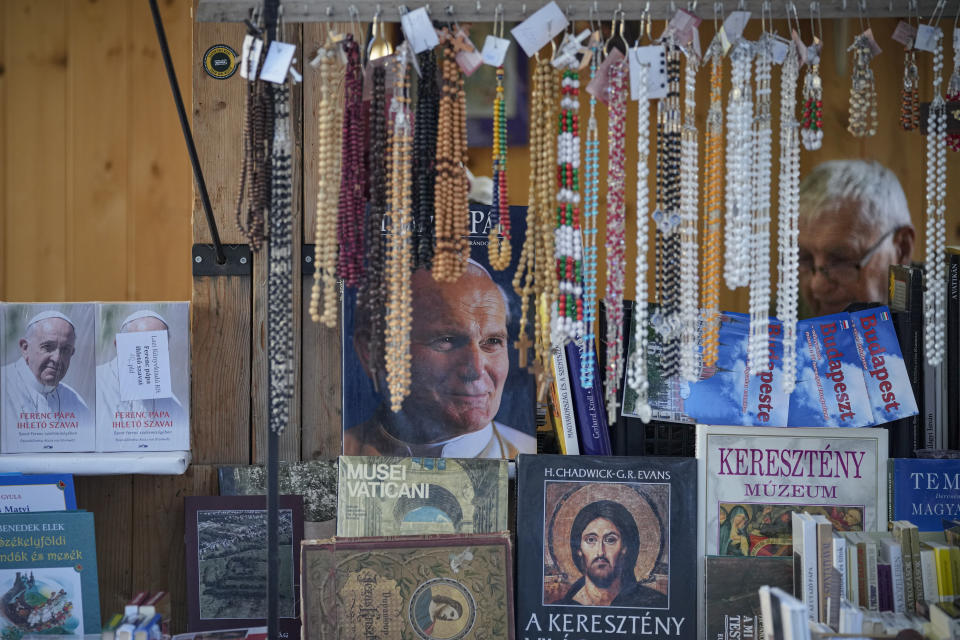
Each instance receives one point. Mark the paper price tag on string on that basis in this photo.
(926, 38)
(418, 30)
(801, 48)
(250, 56)
(875, 49)
(277, 63)
(598, 86)
(467, 57)
(536, 31)
(905, 33)
(813, 51)
(779, 47)
(655, 59)
(732, 28)
(143, 365)
(683, 25)
(494, 51)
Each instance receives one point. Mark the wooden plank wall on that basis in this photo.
(95, 190)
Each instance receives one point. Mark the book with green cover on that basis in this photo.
(380, 496)
(48, 574)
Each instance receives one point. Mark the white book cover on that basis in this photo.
(48, 370)
(928, 571)
(853, 571)
(891, 552)
(565, 400)
(143, 376)
(752, 478)
(804, 533)
(840, 562)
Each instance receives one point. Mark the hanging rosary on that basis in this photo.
(713, 208)
(280, 260)
(667, 216)
(373, 292)
(499, 240)
(329, 116)
(689, 309)
(254, 190)
(452, 187)
(811, 125)
(399, 258)
(910, 92)
(637, 366)
(567, 316)
(759, 244)
(953, 88)
(936, 193)
(591, 207)
(615, 239)
(424, 159)
(739, 159)
(788, 215)
(863, 92)
(352, 171)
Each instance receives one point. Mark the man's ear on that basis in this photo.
(903, 240)
(23, 346)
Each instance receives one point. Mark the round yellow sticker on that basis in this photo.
(220, 61)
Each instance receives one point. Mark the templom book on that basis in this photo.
(924, 491)
(143, 376)
(379, 496)
(606, 547)
(47, 378)
(48, 574)
(412, 587)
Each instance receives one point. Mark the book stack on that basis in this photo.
(422, 550)
(48, 559)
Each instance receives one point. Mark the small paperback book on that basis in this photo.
(315, 480)
(143, 376)
(24, 493)
(410, 496)
(425, 587)
(732, 596)
(48, 574)
(47, 378)
(924, 491)
(606, 547)
(884, 371)
(226, 540)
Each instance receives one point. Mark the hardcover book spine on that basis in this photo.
(902, 536)
(953, 347)
(853, 572)
(872, 584)
(914, 534)
(588, 406)
(906, 303)
(928, 572)
(805, 562)
(829, 590)
(565, 403)
(884, 587)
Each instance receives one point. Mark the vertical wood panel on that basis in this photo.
(97, 102)
(289, 448)
(36, 138)
(160, 181)
(159, 553)
(220, 372)
(111, 500)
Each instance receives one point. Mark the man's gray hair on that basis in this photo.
(869, 188)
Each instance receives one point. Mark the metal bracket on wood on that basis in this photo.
(239, 260)
(307, 257)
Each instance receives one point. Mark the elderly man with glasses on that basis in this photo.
(854, 223)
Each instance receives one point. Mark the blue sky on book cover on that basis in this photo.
(884, 371)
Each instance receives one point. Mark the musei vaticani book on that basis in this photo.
(47, 377)
(366, 401)
(752, 478)
(401, 588)
(381, 496)
(143, 376)
(48, 574)
(606, 547)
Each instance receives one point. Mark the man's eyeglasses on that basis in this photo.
(846, 272)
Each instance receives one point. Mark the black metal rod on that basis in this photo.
(273, 534)
(188, 136)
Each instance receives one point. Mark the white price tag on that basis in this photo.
(279, 57)
(779, 48)
(655, 59)
(875, 49)
(250, 56)
(494, 51)
(598, 86)
(143, 365)
(536, 31)
(926, 38)
(801, 48)
(418, 30)
(683, 25)
(905, 33)
(813, 51)
(733, 27)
